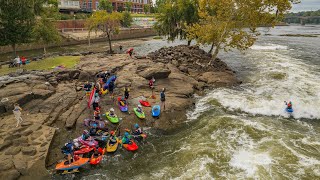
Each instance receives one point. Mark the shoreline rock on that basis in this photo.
(53, 100)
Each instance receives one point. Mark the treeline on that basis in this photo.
(304, 14)
(308, 17)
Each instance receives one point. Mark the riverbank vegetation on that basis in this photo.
(45, 64)
(223, 25)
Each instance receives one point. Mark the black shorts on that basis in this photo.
(163, 99)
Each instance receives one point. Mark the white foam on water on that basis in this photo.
(264, 95)
(201, 106)
(269, 47)
(249, 161)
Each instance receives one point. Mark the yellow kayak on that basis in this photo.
(112, 148)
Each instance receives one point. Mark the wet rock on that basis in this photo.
(31, 151)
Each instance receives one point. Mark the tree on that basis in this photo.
(231, 24)
(126, 19)
(175, 16)
(146, 8)
(108, 23)
(105, 5)
(16, 22)
(120, 9)
(128, 6)
(45, 32)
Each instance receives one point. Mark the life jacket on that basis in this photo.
(163, 96)
(67, 148)
(289, 105)
(151, 83)
(138, 131)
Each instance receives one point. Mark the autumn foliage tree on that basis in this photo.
(108, 23)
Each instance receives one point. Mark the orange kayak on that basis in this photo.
(131, 147)
(97, 159)
(74, 165)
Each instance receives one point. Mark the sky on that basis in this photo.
(306, 5)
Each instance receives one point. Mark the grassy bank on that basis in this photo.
(46, 64)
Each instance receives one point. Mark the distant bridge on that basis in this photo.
(303, 20)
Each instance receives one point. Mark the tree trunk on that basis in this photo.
(189, 42)
(110, 46)
(214, 55)
(211, 49)
(14, 48)
(44, 50)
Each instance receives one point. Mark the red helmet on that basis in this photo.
(97, 108)
(112, 132)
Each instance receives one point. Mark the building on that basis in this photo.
(69, 5)
(89, 5)
(137, 5)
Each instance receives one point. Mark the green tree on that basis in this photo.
(232, 24)
(146, 8)
(16, 22)
(105, 5)
(108, 23)
(128, 6)
(126, 19)
(46, 33)
(174, 17)
(120, 9)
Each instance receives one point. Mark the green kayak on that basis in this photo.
(113, 119)
(140, 115)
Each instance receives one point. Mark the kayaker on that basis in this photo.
(96, 101)
(113, 138)
(137, 130)
(163, 98)
(111, 113)
(17, 113)
(139, 109)
(96, 114)
(103, 142)
(289, 105)
(126, 92)
(68, 149)
(123, 101)
(85, 135)
(126, 138)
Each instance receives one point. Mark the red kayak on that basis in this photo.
(96, 159)
(83, 150)
(131, 147)
(144, 103)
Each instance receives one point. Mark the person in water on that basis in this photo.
(126, 93)
(126, 138)
(137, 130)
(163, 98)
(113, 138)
(111, 113)
(68, 149)
(139, 109)
(289, 105)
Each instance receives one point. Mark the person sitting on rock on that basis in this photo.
(126, 138)
(111, 113)
(85, 135)
(139, 109)
(289, 105)
(96, 114)
(68, 149)
(113, 138)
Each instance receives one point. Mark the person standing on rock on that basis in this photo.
(120, 47)
(111, 88)
(151, 86)
(17, 114)
(163, 98)
(130, 52)
(126, 92)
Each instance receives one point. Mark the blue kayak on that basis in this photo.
(156, 111)
(112, 78)
(289, 110)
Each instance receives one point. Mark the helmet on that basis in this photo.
(136, 126)
(96, 94)
(139, 106)
(95, 125)
(85, 132)
(126, 134)
(103, 138)
(97, 109)
(111, 109)
(112, 132)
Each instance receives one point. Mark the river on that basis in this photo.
(241, 132)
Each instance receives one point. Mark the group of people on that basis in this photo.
(18, 61)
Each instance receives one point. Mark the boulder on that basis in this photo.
(30, 151)
(156, 72)
(184, 69)
(84, 76)
(219, 78)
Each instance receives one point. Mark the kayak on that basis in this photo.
(123, 108)
(289, 110)
(90, 143)
(114, 119)
(65, 166)
(145, 103)
(101, 125)
(112, 148)
(139, 114)
(112, 78)
(156, 111)
(103, 92)
(97, 159)
(131, 147)
(83, 150)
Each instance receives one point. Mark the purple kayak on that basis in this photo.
(101, 125)
(90, 143)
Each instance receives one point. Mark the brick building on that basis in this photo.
(137, 5)
(89, 5)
